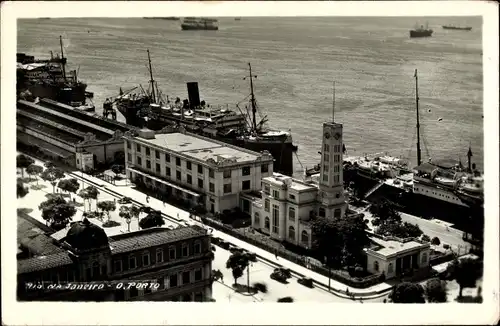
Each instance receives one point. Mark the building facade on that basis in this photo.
(288, 204)
(176, 263)
(205, 172)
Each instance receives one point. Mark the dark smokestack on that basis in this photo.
(193, 94)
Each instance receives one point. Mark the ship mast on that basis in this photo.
(62, 58)
(419, 152)
(254, 106)
(151, 80)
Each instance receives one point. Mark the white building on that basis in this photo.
(202, 170)
(288, 204)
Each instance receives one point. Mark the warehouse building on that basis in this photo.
(213, 174)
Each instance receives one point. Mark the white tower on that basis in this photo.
(331, 198)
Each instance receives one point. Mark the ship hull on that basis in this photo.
(417, 34)
(458, 28)
(199, 28)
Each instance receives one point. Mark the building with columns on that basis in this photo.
(289, 204)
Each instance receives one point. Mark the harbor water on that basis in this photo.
(372, 60)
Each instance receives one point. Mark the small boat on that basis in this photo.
(458, 28)
(237, 18)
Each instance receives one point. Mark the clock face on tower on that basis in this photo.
(327, 135)
(337, 136)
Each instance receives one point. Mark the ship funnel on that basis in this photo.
(193, 94)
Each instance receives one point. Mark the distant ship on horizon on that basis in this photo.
(421, 31)
(467, 28)
(194, 23)
(163, 18)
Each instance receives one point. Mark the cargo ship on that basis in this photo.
(49, 79)
(193, 23)
(238, 127)
(458, 28)
(421, 32)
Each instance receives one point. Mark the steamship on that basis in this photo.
(421, 31)
(193, 23)
(49, 79)
(149, 109)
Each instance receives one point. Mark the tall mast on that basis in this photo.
(333, 108)
(254, 106)
(62, 58)
(419, 152)
(469, 155)
(152, 81)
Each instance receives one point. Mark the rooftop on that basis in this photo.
(295, 184)
(199, 148)
(391, 247)
(43, 262)
(32, 236)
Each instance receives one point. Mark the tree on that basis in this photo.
(69, 185)
(21, 190)
(435, 241)
(135, 212)
(107, 206)
(92, 193)
(407, 292)
(237, 262)
(385, 210)
(125, 214)
(22, 162)
(153, 219)
(52, 174)
(466, 272)
(435, 290)
(34, 170)
(426, 238)
(117, 169)
(57, 211)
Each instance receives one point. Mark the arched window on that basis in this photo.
(257, 218)
(266, 223)
(390, 268)
(424, 258)
(291, 233)
(337, 213)
(304, 238)
(375, 266)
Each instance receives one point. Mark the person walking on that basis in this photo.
(147, 199)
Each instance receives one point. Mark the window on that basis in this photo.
(291, 213)
(336, 158)
(325, 168)
(276, 194)
(157, 154)
(304, 238)
(158, 168)
(168, 172)
(129, 158)
(291, 233)
(227, 174)
(424, 258)
(325, 177)
(276, 221)
(200, 169)
(337, 213)
(167, 158)
(173, 280)
(245, 185)
(211, 173)
(336, 179)
(159, 256)
(266, 223)
(211, 187)
(128, 145)
(197, 275)
(256, 218)
(171, 253)
(321, 212)
(178, 161)
(148, 164)
(145, 259)
(138, 147)
(267, 189)
(132, 262)
(326, 148)
(264, 168)
(267, 205)
(118, 266)
(390, 268)
(246, 170)
(188, 165)
(336, 169)
(186, 277)
(227, 188)
(189, 179)
(197, 247)
(292, 197)
(178, 175)
(200, 183)
(139, 161)
(185, 250)
(326, 157)
(375, 266)
(148, 151)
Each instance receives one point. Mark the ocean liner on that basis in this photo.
(241, 128)
(193, 23)
(49, 79)
(421, 32)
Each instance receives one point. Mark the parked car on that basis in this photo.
(306, 281)
(125, 200)
(234, 249)
(216, 240)
(281, 274)
(224, 244)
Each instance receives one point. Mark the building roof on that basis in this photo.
(200, 149)
(32, 235)
(153, 237)
(84, 235)
(294, 184)
(389, 247)
(43, 262)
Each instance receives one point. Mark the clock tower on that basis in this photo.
(331, 198)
